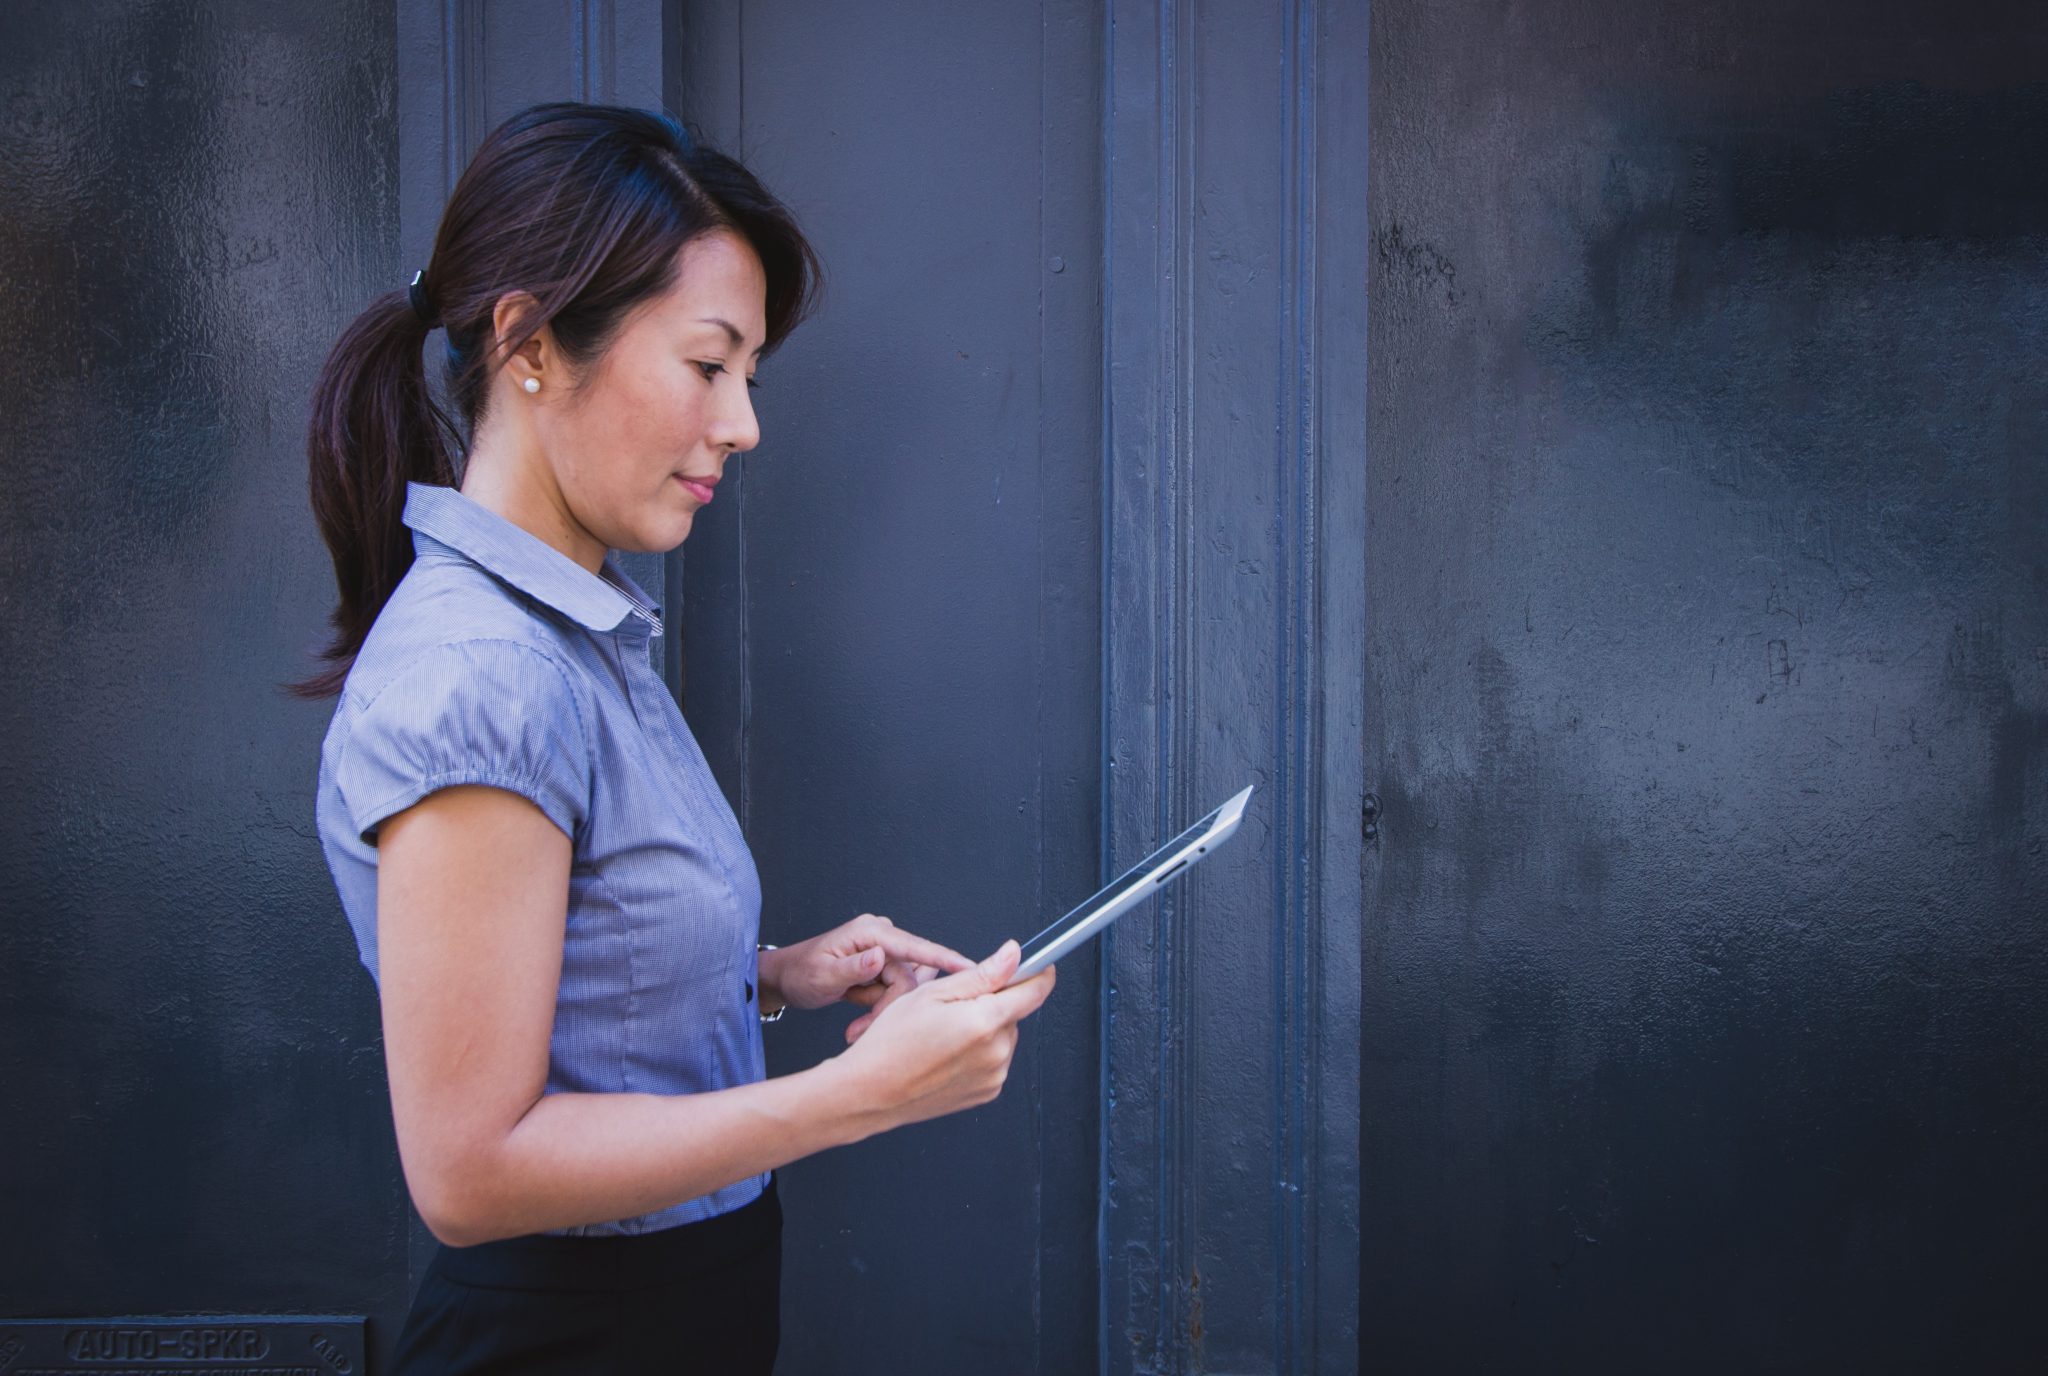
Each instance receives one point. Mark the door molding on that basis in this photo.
(1233, 622)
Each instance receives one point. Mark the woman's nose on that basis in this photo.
(735, 426)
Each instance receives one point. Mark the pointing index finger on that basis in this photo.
(915, 949)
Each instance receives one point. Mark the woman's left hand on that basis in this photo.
(869, 961)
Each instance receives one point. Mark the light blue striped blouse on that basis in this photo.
(501, 661)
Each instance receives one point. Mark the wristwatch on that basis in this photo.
(769, 1017)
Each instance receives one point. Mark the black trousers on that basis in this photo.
(701, 1297)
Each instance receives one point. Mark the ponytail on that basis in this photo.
(587, 209)
(374, 428)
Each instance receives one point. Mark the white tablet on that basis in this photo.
(1136, 884)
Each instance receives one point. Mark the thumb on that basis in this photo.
(985, 978)
(861, 966)
(999, 967)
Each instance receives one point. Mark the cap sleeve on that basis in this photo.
(490, 712)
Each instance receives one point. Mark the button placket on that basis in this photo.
(687, 779)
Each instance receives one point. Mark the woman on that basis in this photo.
(554, 898)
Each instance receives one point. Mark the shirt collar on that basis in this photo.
(608, 601)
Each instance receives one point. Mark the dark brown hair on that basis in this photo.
(587, 207)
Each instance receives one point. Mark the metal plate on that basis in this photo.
(203, 1345)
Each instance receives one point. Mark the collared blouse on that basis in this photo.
(501, 661)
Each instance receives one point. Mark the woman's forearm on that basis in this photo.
(585, 1158)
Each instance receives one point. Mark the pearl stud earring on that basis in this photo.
(531, 384)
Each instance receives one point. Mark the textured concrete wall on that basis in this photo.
(1707, 980)
(193, 200)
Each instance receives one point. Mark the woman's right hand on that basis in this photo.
(945, 1045)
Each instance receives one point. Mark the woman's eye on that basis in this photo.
(712, 370)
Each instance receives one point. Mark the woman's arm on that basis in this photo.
(471, 905)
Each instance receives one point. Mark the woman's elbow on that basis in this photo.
(451, 1225)
(455, 1209)
(449, 1229)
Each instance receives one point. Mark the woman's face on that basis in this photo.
(639, 448)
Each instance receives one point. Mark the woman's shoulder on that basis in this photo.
(446, 611)
(459, 683)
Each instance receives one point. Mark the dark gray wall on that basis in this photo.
(1707, 981)
(1705, 681)
(193, 200)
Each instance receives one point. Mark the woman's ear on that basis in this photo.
(508, 318)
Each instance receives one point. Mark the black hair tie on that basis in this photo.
(421, 305)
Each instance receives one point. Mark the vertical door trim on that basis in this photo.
(1158, 626)
(1143, 1213)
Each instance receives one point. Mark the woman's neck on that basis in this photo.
(515, 481)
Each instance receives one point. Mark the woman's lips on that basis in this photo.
(701, 491)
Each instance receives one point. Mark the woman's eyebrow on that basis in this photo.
(730, 329)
